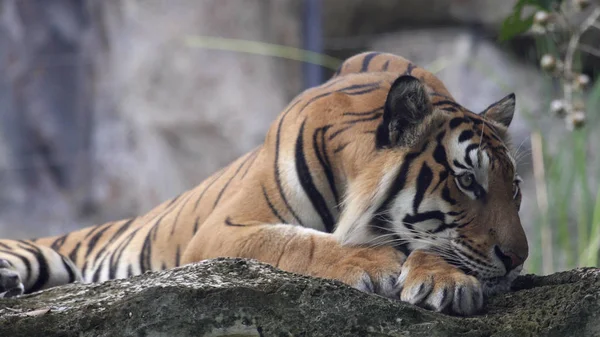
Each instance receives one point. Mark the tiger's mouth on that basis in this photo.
(491, 285)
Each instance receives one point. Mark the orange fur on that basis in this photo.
(247, 209)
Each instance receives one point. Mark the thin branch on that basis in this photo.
(571, 48)
(589, 49)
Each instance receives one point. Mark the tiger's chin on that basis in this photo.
(499, 285)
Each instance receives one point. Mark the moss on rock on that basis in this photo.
(234, 297)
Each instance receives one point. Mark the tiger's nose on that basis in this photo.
(509, 259)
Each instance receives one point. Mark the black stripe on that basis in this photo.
(449, 109)
(276, 163)
(340, 148)
(356, 87)
(173, 201)
(115, 236)
(338, 132)
(73, 254)
(409, 69)
(447, 102)
(361, 92)
(440, 95)
(360, 120)
(399, 181)
(253, 155)
(176, 220)
(475, 120)
(420, 217)
(365, 113)
(308, 185)
(92, 231)
(178, 256)
(337, 72)
(424, 180)
(455, 122)
(271, 206)
(196, 224)
(129, 270)
(446, 196)
(367, 60)
(115, 256)
(228, 222)
(69, 269)
(330, 83)
(96, 276)
(442, 176)
(5, 246)
(465, 135)
(218, 175)
(229, 182)
(59, 242)
(323, 158)
(468, 150)
(382, 218)
(146, 253)
(443, 226)
(43, 271)
(329, 172)
(459, 165)
(94, 241)
(385, 65)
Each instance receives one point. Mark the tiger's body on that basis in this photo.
(360, 179)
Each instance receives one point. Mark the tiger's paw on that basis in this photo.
(10, 281)
(426, 280)
(372, 270)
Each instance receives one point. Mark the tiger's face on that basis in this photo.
(456, 191)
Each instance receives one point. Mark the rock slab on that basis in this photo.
(236, 297)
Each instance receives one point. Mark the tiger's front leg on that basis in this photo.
(427, 280)
(303, 251)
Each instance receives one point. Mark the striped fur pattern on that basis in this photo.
(376, 178)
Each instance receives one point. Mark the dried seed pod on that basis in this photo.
(538, 29)
(548, 63)
(541, 18)
(558, 107)
(581, 81)
(576, 120)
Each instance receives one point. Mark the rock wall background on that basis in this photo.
(105, 111)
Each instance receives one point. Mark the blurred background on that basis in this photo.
(109, 107)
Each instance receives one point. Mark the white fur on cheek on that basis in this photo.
(359, 209)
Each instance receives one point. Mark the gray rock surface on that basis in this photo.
(106, 110)
(234, 297)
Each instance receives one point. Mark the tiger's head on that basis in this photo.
(451, 185)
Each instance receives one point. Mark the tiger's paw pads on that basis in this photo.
(445, 290)
(10, 281)
(374, 270)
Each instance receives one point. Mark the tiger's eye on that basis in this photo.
(466, 180)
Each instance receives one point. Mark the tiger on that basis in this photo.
(376, 178)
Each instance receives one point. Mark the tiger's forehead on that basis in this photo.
(476, 145)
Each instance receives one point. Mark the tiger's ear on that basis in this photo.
(406, 106)
(501, 111)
